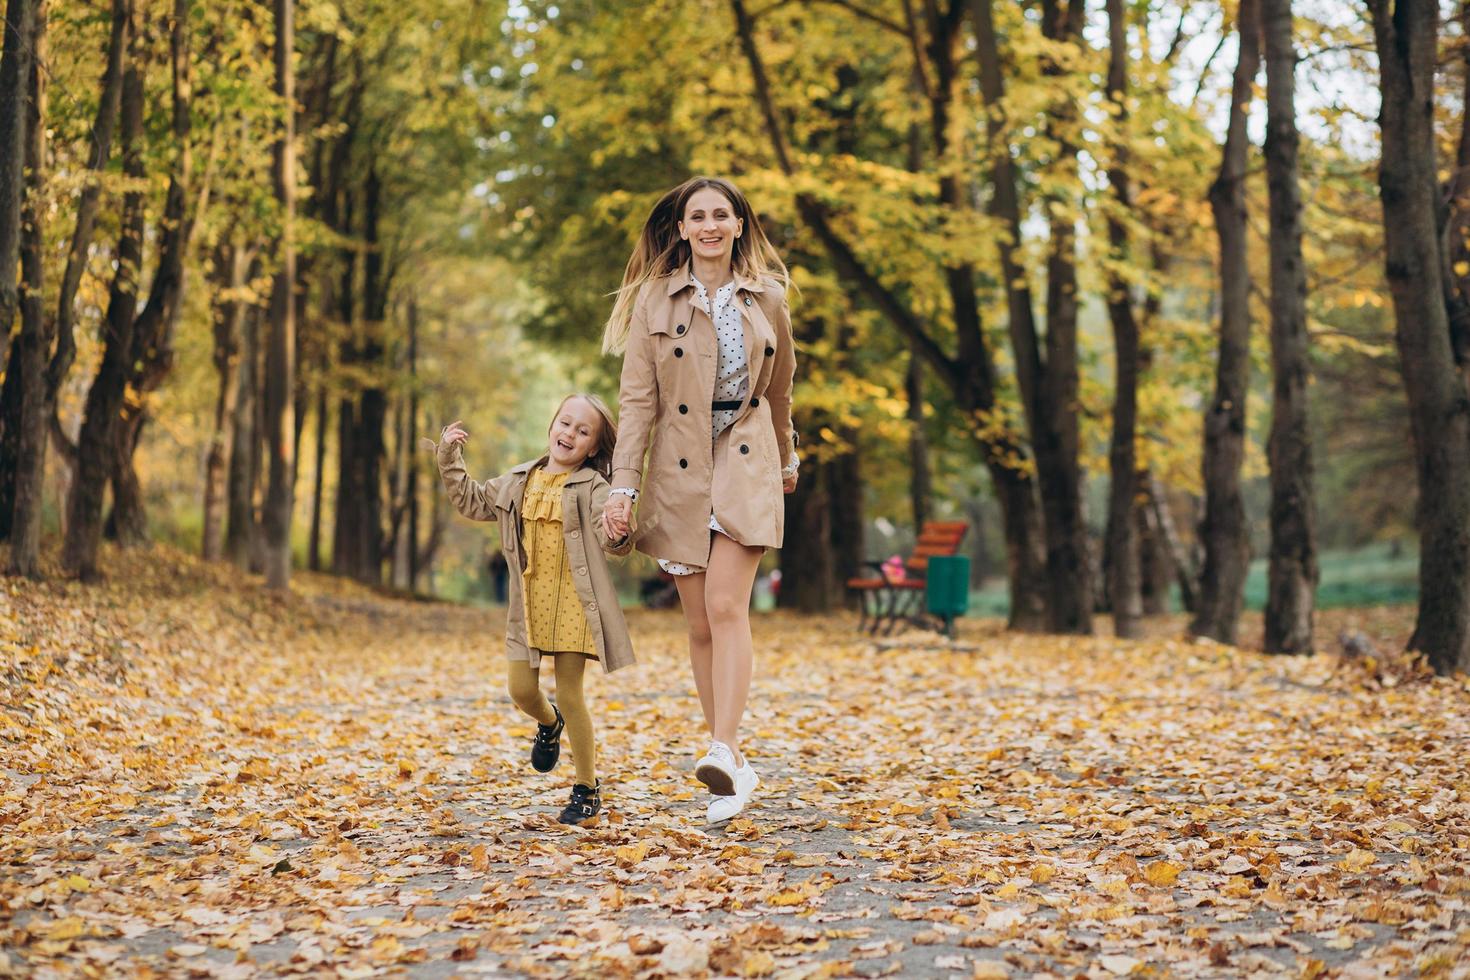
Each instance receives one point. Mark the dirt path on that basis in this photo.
(200, 779)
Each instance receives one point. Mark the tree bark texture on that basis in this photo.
(95, 443)
(1223, 530)
(1292, 576)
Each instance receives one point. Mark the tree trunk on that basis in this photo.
(231, 266)
(1223, 530)
(242, 531)
(1048, 389)
(809, 580)
(89, 201)
(280, 375)
(1455, 248)
(12, 411)
(318, 480)
(35, 331)
(845, 495)
(920, 488)
(1439, 408)
(1293, 568)
(152, 354)
(1123, 580)
(95, 443)
(1155, 562)
(128, 522)
(15, 70)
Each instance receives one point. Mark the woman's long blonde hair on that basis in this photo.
(661, 252)
(607, 437)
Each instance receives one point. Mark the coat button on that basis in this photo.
(744, 449)
(683, 464)
(576, 535)
(679, 329)
(678, 352)
(592, 607)
(683, 409)
(582, 570)
(770, 351)
(755, 403)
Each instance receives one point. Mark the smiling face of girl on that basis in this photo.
(710, 225)
(574, 434)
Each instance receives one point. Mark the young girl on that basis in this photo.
(562, 601)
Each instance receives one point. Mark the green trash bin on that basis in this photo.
(947, 589)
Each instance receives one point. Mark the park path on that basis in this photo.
(197, 778)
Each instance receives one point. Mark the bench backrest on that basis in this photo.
(936, 539)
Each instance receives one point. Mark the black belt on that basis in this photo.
(726, 406)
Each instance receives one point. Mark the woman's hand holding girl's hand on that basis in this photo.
(617, 516)
(454, 434)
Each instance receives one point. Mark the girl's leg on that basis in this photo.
(570, 668)
(524, 684)
(727, 586)
(701, 649)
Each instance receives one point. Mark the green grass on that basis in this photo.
(1371, 576)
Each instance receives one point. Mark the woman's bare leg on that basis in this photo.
(701, 653)
(727, 585)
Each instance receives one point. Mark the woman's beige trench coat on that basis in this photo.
(583, 497)
(668, 384)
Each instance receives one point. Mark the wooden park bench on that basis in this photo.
(886, 599)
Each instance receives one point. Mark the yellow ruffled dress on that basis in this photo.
(555, 622)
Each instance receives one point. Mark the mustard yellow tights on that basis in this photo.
(524, 683)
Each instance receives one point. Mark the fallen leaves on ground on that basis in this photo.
(201, 778)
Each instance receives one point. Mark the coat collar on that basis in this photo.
(684, 278)
(580, 475)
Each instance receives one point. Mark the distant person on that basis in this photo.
(708, 366)
(562, 601)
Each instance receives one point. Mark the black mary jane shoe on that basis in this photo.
(546, 749)
(585, 803)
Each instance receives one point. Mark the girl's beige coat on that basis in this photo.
(668, 383)
(582, 501)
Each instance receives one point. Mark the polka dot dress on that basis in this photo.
(732, 377)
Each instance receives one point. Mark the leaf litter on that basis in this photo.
(200, 778)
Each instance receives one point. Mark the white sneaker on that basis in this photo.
(717, 769)
(722, 808)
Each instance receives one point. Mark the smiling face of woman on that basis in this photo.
(710, 226)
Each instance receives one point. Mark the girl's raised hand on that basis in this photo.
(454, 433)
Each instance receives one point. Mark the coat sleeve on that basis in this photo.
(474, 500)
(637, 402)
(783, 375)
(613, 546)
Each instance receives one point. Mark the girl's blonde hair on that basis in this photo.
(607, 436)
(661, 252)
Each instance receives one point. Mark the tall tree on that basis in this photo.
(280, 374)
(1123, 572)
(920, 484)
(15, 69)
(152, 355)
(105, 396)
(1292, 577)
(1223, 531)
(231, 270)
(1439, 404)
(1048, 383)
(35, 330)
(970, 372)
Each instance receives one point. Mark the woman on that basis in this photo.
(705, 397)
